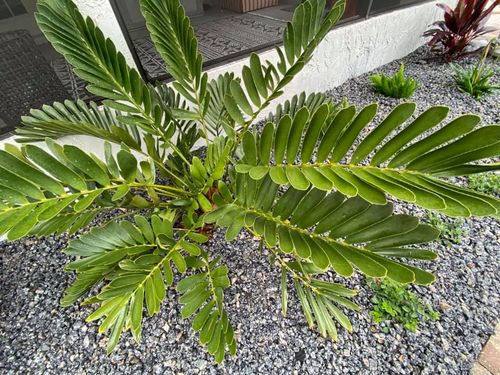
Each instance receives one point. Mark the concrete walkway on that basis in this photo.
(489, 359)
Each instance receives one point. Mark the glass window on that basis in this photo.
(11, 8)
(32, 73)
(354, 9)
(225, 28)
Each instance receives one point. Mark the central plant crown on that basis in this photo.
(311, 183)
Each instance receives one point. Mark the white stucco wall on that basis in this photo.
(346, 52)
(102, 14)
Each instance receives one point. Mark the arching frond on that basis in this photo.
(263, 82)
(326, 231)
(44, 192)
(330, 230)
(174, 39)
(320, 300)
(202, 298)
(96, 60)
(77, 118)
(135, 262)
(298, 152)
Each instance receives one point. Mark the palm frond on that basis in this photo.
(174, 39)
(66, 188)
(96, 60)
(405, 167)
(77, 118)
(202, 298)
(324, 230)
(263, 82)
(135, 262)
(330, 230)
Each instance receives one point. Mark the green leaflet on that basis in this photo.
(54, 167)
(413, 167)
(127, 255)
(332, 230)
(86, 164)
(201, 297)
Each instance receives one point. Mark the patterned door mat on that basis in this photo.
(218, 39)
(72, 83)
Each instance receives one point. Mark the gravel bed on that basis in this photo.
(39, 337)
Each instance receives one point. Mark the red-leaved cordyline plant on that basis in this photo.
(460, 27)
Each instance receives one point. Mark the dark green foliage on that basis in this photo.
(451, 231)
(397, 86)
(345, 232)
(291, 183)
(475, 79)
(402, 169)
(393, 301)
(488, 183)
(203, 297)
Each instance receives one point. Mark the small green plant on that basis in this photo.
(393, 301)
(452, 231)
(397, 86)
(488, 183)
(475, 79)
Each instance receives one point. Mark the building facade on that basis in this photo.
(371, 33)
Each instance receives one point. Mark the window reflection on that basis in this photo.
(225, 28)
(32, 73)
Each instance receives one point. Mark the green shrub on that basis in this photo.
(488, 183)
(289, 183)
(397, 86)
(393, 301)
(451, 231)
(475, 79)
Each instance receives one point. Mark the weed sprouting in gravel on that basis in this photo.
(451, 230)
(488, 183)
(393, 301)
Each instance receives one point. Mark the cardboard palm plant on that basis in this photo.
(311, 183)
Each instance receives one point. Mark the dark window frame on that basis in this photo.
(11, 11)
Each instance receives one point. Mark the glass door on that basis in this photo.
(31, 72)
